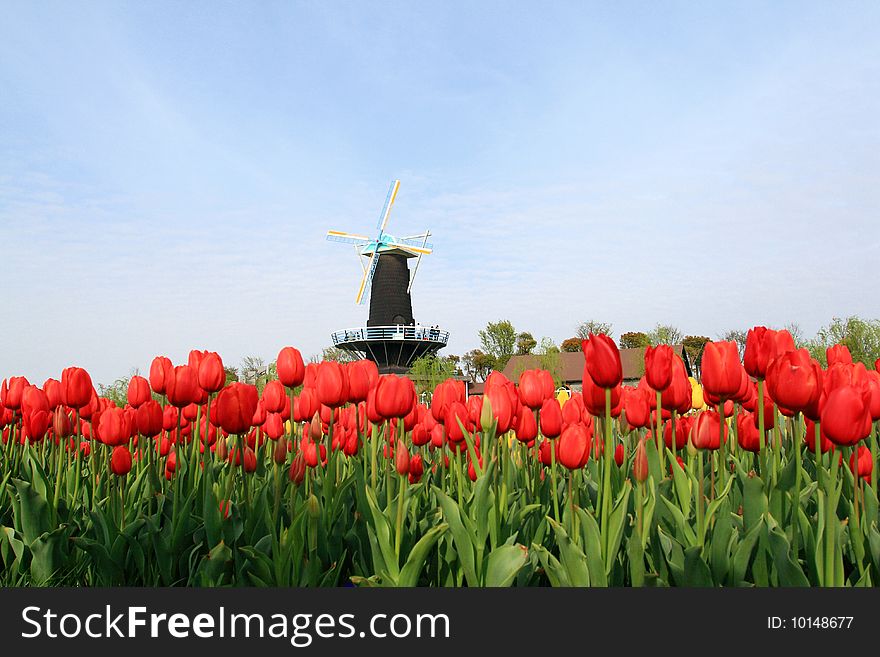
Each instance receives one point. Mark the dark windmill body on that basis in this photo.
(391, 338)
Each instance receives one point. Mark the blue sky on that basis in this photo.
(168, 170)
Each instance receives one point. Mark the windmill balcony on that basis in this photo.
(390, 333)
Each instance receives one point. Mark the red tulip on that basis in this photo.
(416, 469)
(640, 462)
(619, 454)
(11, 391)
(636, 407)
(76, 387)
(236, 405)
(120, 461)
(531, 389)
(290, 368)
(573, 447)
(551, 418)
(846, 415)
(658, 366)
(721, 369)
(274, 426)
(502, 408)
(61, 424)
(52, 388)
(211, 375)
(602, 359)
(873, 378)
(274, 395)
(362, 376)
(160, 370)
(279, 454)
(182, 386)
(825, 445)
(594, 397)
(138, 391)
(297, 469)
(331, 385)
(401, 459)
(838, 353)
(763, 345)
(794, 381)
(36, 424)
(149, 418)
(681, 434)
(445, 393)
(705, 431)
(747, 434)
(113, 426)
(865, 463)
(395, 396)
(456, 417)
(526, 427)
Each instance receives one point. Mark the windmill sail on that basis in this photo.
(389, 203)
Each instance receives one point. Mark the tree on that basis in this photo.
(572, 345)
(499, 340)
(427, 371)
(117, 392)
(525, 343)
(634, 340)
(665, 334)
(231, 374)
(339, 355)
(456, 362)
(591, 326)
(861, 337)
(797, 335)
(739, 337)
(477, 364)
(550, 360)
(693, 346)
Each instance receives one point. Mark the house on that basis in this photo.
(568, 367)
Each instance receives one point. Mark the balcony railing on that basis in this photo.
(369, 333)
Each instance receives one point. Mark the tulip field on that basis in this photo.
(333, 475)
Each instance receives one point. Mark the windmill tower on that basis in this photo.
(391, 337)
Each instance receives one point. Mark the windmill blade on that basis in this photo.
(346, 238)
(389, 202)
(367, 279)
(412, 249)
(412, 277)
(419, 241)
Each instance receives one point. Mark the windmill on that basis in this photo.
(391, 336)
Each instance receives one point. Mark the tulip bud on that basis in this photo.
(640, 463)
(401, 459)
(486, 417)
(280, 453)
(298, 470)
(314, 507)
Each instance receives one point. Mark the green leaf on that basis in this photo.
(789, 573)
(504, 563)
(636, 555)
(412, 569)
(685, 532)
(743, 552)
(615, 526)
(552, 568)
(48, 555)
(573, 559)
(754, 502)
(592, 547)
(722, 535)
(34, 519)
(460, 536)
(384, 535)
(696, 571)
